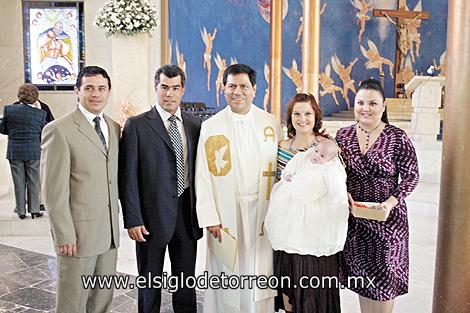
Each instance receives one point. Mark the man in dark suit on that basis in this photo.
(49, 118)
(156, 186)
(45, 108)
(23, 123)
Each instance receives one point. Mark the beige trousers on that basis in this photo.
(72, 297)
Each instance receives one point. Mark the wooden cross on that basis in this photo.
(402, 14)
(269, 174)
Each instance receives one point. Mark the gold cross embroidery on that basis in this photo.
(269, 174)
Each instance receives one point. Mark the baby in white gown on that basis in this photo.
(308, 212)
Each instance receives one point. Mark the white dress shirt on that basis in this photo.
(36, 105)
(179, 121)
(90, 116)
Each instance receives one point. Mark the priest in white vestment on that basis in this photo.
(235, 170)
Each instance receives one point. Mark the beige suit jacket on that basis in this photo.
(79, 183)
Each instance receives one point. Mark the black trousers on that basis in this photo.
(182, 248)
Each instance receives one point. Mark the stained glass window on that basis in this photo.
(53, 41)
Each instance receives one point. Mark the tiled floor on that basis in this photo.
(27, 284)
(27, 272)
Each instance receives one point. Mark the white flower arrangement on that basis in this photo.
(127, 17)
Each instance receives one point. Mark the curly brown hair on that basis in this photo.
(28, 93)
(304, 97)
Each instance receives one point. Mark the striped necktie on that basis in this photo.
(99, 132)
(178, 147)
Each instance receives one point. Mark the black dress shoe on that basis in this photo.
(33, 215)
(22, 216)
(42, 207)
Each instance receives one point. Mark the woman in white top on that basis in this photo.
(307, 218)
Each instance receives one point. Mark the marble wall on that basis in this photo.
(11, 65)
(98, 49)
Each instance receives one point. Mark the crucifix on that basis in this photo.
(404, 44)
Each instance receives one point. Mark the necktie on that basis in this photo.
(178, 147)
(99, 132)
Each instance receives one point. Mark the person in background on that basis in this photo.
(49, 118)
(23, 123)
(45, 107)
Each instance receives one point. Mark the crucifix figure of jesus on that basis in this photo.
(404, 43)
(404, 18)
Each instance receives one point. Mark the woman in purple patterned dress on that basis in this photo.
(381, 166)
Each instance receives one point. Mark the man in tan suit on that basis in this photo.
(79, 177)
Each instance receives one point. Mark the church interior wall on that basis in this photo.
(11, 50)
(11, 45)
(243, 34)
(98, 51)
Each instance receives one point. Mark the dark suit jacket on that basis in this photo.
(147, 176)
(2, 126)
(23, 125)
(49, 115)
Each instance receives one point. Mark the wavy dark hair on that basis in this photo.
(304, 97)
(374, 84)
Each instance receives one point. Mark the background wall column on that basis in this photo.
(452, 276)
(311, 47)
(275, 76)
